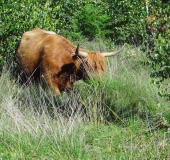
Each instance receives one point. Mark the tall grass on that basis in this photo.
(27, 128)
(118, 116)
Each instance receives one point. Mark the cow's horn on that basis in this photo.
(84, 54)
(80, 53)
(77, 50)
(107, 54)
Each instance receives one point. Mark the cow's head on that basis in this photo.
(91, 62)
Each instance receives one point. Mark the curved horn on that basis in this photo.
(107, 54)
(80, 53)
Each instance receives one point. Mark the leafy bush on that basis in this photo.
(128, 21)
(90, 24)
(160, 61)
(158, 49)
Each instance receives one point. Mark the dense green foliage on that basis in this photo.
(158, 49)
(160, 61)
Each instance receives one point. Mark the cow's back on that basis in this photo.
(30, 49)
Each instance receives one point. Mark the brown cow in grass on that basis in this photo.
(45, 54)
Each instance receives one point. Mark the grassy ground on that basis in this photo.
(119, 116)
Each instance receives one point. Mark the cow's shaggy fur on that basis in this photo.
(45, 54)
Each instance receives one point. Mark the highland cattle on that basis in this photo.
(46, 54)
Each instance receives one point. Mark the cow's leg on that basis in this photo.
(52, 83)
(55, 88)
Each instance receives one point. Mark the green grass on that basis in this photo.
(118, 116)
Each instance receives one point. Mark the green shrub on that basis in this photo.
(128, 21)
(92, 22)
(158, 49)
(159, 57)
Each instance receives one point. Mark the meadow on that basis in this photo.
(117, 116)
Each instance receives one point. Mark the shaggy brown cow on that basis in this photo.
(45, 54)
